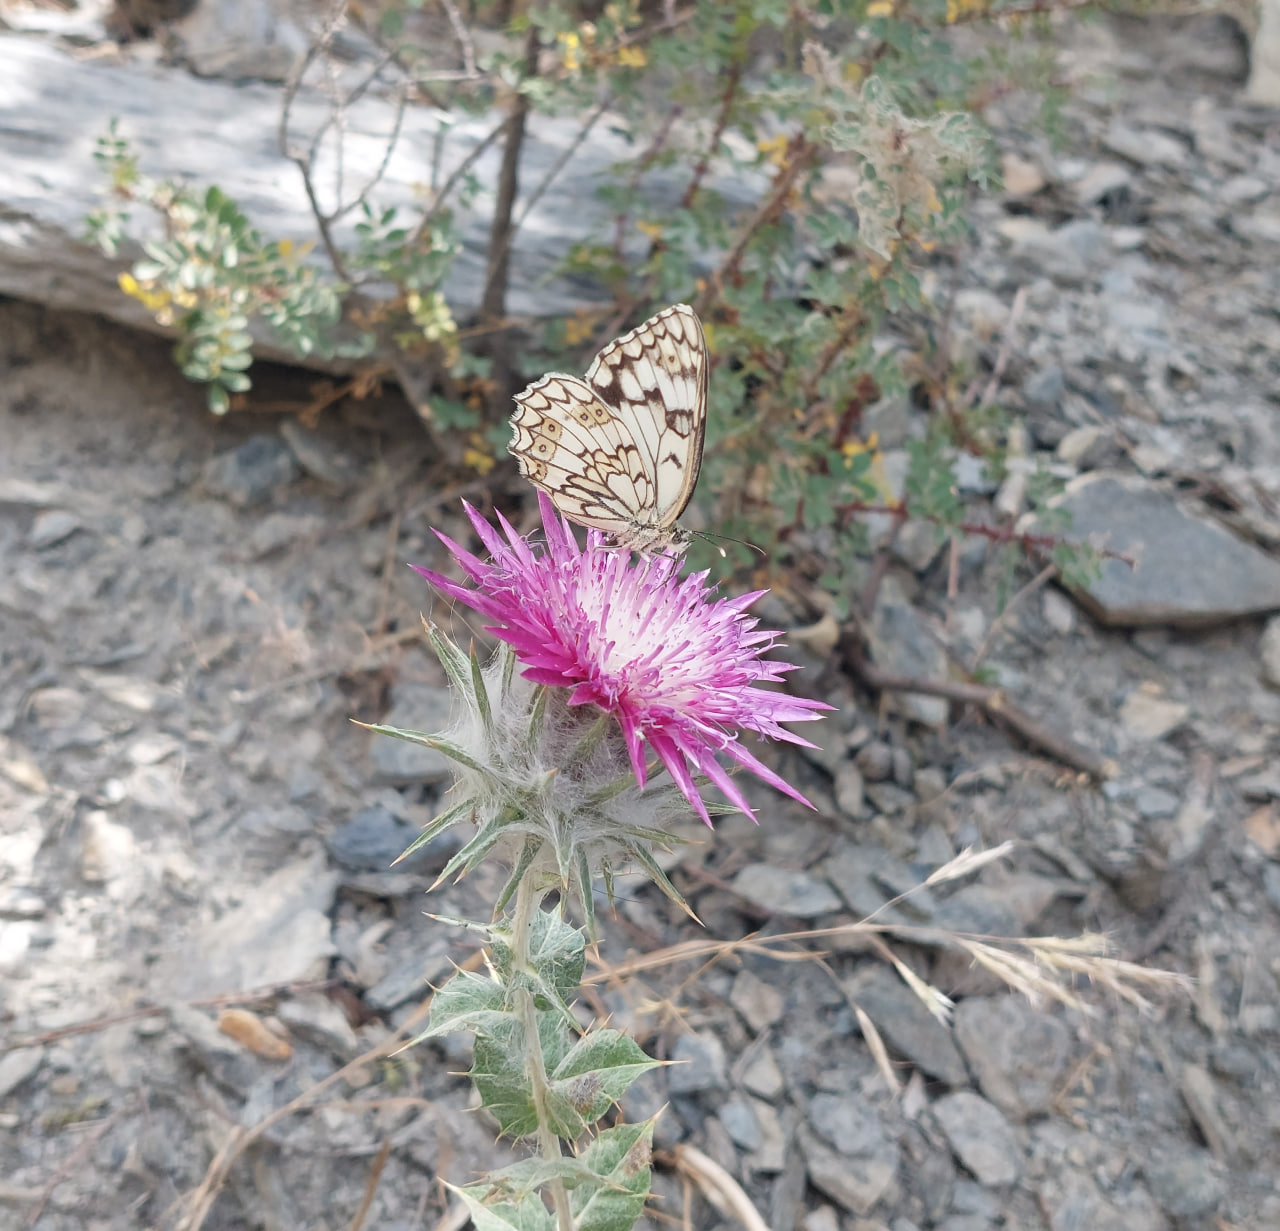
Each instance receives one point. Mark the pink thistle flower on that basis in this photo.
(680, 669)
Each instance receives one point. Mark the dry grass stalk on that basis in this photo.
(717, 1186)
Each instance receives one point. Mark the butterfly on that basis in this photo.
(620, 450)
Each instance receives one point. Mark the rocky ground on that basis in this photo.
(191, 611)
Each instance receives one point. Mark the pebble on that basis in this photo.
(1269, 652)
(1147, 147)
(906, 1025)
(371, 841)
(785, 891)
(698, 1064)
(17, 1066)
(51, 527)
(1017, 1053)
(1103, 179)
(875, 761)
(1076, 445)
(760, 1004)
(1193, 572)
(315, 1017)
(846, 1123)
(739, 1121)
(1151, 716)
(1058, 611)
(763, 1076)
(1186, 1182)
(318, 456)
(850, 790)
(982, 1139)
(857, 1184)
(251, 474)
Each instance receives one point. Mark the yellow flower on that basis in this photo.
(478, 456)
(147, 295)
(957, 9)
(632, 57)
(578, 328)
(570, 47)
(880, 8)
(650, 229)
(774, 148)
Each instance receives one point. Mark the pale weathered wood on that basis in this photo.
(53, 107)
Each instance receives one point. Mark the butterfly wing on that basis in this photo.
(655, 379)
(578, 450)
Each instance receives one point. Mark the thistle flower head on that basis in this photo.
(678, 668)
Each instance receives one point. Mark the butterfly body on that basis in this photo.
(620, 449)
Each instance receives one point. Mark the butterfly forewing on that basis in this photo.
(621, 450)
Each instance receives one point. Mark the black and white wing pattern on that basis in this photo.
(620, 450)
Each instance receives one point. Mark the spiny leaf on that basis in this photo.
(435, 827)
(527, 1215)
(444, 746)
(621, 1156)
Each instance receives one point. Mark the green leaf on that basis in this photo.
(481, 692)
(527, 1215)
(437, 825)
(621, 1156)
(500, 1076)
(453, 660)
(528, 853)
(597, 1071)
(466, 1002)
(219, 400)
(452, 751)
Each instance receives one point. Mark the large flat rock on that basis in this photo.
(56, 106)
(1191, 571)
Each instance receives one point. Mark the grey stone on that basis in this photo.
(279, 934)
(902, 643)
(762, 1076)
(1187, 1183)
(251, 474)
(1045, 389)
(51, 527)
(906, 1025)
(1103, 179)
(1269, 652)
(414, 976)
(850, 791)
(846, 1123)
(315, 1017)
(371, 841)
(234, 1067)
(857, 1184)
(320, 457)
(1146, 147)
(982, 1139)
(760, 1004)
(17, 1066)
(875, 760)
(785, 891)
(740, 1123)
(225, 133)
(698, 1063)
(1155, 803)
(979, 910)
(1017, 1053)
(423, 708)
(1191, 570)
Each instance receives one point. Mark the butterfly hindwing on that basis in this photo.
(621, 450)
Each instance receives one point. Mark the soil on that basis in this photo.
(193, 610)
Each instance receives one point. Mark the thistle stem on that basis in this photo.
(527, 901)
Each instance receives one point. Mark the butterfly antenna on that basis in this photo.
(728, 538)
